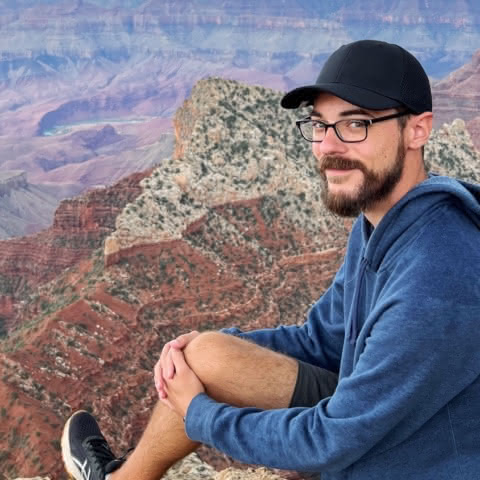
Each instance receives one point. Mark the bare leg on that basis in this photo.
(233, 371)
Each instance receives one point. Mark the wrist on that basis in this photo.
(185, 407)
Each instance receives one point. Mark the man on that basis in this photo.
(399, 324)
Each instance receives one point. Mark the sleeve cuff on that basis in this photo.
(199, 417)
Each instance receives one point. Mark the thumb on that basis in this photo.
(179, 360)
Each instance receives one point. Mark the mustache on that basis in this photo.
(339, 163)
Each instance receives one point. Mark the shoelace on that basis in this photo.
(99, 454)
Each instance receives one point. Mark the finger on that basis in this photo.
(162, 361)
(161, 387)
(162, 394)
(157, 375)
(164, 354)
(170, 368)
(178, 360)
(167, 365)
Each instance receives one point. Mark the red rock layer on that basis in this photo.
(80, 226)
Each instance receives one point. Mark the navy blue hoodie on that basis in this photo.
(401, 325)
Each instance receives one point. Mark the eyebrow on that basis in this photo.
(345, 113)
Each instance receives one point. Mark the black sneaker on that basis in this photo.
(86, 454)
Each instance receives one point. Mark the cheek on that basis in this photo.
(386, 153)
(382, 161)
(316, 151)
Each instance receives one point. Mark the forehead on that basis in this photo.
(326, 101)
(327, 104)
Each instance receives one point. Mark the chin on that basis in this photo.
(346, 190)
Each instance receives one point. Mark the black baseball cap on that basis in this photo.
(369, 74)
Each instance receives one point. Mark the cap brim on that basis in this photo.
(360, 97)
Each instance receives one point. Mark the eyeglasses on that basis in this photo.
(348, 131)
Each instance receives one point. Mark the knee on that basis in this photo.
(206, 344)
(207, 350)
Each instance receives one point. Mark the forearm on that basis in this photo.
(265, 437)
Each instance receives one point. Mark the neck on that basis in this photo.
(410, 178)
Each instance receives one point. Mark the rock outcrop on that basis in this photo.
(451, 151)
(234, 144)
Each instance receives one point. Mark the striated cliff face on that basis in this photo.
(211, 32)
(79, 227)
(228, 231)
(88, 60)
(458, 96)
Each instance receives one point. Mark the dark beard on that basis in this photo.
(375, 187)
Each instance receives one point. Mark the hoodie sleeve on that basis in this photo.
(318, 341)
(421, 350)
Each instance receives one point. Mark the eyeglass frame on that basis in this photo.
(367, 123)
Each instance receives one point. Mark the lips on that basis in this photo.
(337, 171)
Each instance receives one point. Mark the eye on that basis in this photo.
(317, 124)
(353, 124)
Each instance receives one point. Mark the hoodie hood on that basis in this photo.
(410, 212)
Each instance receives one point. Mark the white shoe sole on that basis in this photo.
(72, 470)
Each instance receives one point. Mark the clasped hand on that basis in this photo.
(176, 383)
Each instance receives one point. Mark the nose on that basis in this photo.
(331, 145)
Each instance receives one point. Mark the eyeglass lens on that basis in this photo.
(347, 130)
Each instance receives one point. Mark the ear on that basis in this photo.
(418, 130)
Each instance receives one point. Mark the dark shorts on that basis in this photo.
(313, 384)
